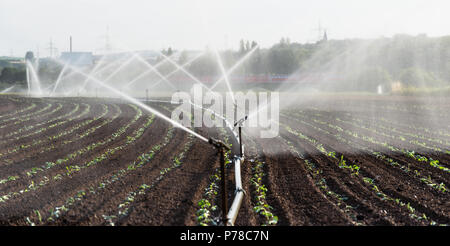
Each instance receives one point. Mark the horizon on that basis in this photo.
(235, 48)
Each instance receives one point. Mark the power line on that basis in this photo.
(51, 48)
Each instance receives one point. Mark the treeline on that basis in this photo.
(365, 65)
(283, 58)
(407, 61)
(416, 61)
(12, 72)
(12, 76)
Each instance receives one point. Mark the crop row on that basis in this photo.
(83, 135)
(35, 142)
(15, 113)
(79, 137)
(262, 207)
(125, 205)
(416, 128)
(20, 119)
(22, 104)
(70, 157)
(413, 108)
(414, 134)
(42, 129)
(72, 169)
(358, 172)
(406, 168)
(52, 119)
(320, 181)
(401, 135)
(260, 195)
(94, 190)
(396, 121)
(371, 139)
(207, 213)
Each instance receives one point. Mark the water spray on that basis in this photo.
(156, 71)
(98, 70)
(187, 73)
(58, 80)
(168, 75)
(8, 89)
(147, 72)
(32, 79)
(236, 65)
(160, 64)
(28, 79)
(225, 74)
(140, 104)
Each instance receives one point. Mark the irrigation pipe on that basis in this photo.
(237, 160)
(239, 191)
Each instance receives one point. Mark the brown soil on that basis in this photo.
(304, 185)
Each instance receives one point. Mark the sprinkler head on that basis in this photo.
(239, 122)
(218, 144)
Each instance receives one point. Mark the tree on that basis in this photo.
(254, 44)
(256, 63)
(241, 47)
(282, 61)
(368, 79)
(7, 75)
(282, 42)
(183, 57)
(205, 65)
(247, 46)
(417, 77)
(13, 76)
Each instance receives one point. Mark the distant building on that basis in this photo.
(397, 86)
(324, 38)
(79, 59)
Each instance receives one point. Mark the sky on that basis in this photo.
(194, 24)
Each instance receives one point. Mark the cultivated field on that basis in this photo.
(362, 161)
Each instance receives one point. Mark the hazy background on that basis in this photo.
(138, 25)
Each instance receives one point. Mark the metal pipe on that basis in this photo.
(221, 147)
(240, 142)
(239, 191)
(224, 187)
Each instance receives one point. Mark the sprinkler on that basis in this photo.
(221, 147)
(240, 123)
